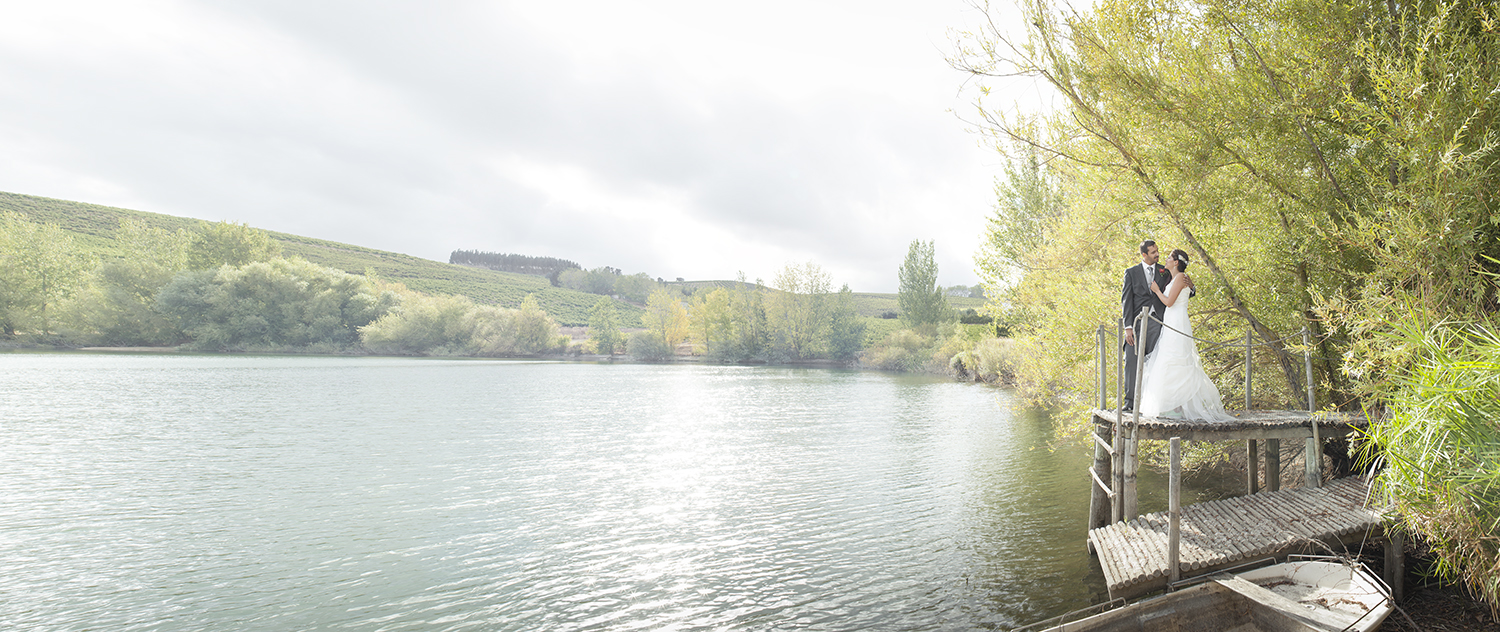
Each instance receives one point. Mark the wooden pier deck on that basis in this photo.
(1223, 533)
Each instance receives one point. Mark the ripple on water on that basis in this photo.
(269, 493)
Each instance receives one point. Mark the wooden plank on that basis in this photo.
(1218, 534)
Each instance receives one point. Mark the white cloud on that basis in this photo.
(674, 138)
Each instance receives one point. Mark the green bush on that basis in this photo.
(644, 345)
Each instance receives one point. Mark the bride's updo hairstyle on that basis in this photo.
(1181, 258)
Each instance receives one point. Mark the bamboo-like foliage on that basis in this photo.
(1440, 447)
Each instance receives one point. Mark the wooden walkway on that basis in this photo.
(1224, 533)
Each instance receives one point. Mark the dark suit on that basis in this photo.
(1135, 293)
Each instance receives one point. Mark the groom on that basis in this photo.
(1136, 293)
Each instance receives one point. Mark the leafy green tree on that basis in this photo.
(272, 305)
(604, 329)
(646, 345)
(798, 313)
(1326, 165)
(713, 322)
(228, 243)
(40, 265)
(636, 288)
(535, 330)
(427, 325)
(751, 330)
(665, 318)
(846, 331)
(119, 306)
(919, 298)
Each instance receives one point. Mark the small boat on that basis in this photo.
(1302, 595)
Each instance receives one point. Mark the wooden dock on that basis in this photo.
(1223, 533)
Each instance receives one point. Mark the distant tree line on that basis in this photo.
(799, 318)
(548, 267)
(607, 281)
(225, 287)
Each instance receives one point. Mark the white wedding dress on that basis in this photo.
(1174, 383)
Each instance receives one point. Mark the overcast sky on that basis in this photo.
(690, 139)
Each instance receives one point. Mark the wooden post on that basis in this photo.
(1273, 465)
(1252, 468)
(1119, 352)
(1103, 377)
(1143, 332)
(1117, 458)
(1117, 473)
(1395, 564)
(1248, 332)
(1313, 454)
(1131, 439)
(1174, 506)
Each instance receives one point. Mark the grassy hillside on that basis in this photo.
(874, 304)
(95, 226)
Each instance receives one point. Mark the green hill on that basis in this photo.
(94, 227)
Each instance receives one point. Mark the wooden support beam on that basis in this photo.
(1273, 465)
(1174, 509)
(1395, 564)
(1252, 468)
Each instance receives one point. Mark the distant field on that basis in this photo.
(874, 304)
(95, 226)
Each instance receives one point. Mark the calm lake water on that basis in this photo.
(149, 492)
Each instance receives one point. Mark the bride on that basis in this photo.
(1174, 380)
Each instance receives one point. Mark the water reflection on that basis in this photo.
(268, 493)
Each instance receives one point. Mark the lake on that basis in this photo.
(185, 492)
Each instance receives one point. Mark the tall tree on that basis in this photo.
(666, 319)
(920, 300)
(604, 329)
(798, 312)
(713, 323)
(229, 243)
(119, 306)
(40, 265)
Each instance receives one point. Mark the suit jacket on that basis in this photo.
(1135, 293)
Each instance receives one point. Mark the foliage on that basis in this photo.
(119, 306)
(607, 281)
(534, 330)
(40, 266)
(1304, 154)
(846, 330)
(549, 267)
(666, 319)
(604, 334)
(903, 350)
(713, 322)
(921, 300)
(751, 336)
(229, 244)
(1329, 166)
(272, 305)
(1441, 446)
(647, 345)
(93, 228)
(425, 325)
(798, 314)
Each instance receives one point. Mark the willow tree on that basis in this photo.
(1250, 135)
(1330, 166)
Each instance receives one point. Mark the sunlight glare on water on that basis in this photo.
(167, 492)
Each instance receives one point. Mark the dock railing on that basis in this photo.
(1118, 495)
